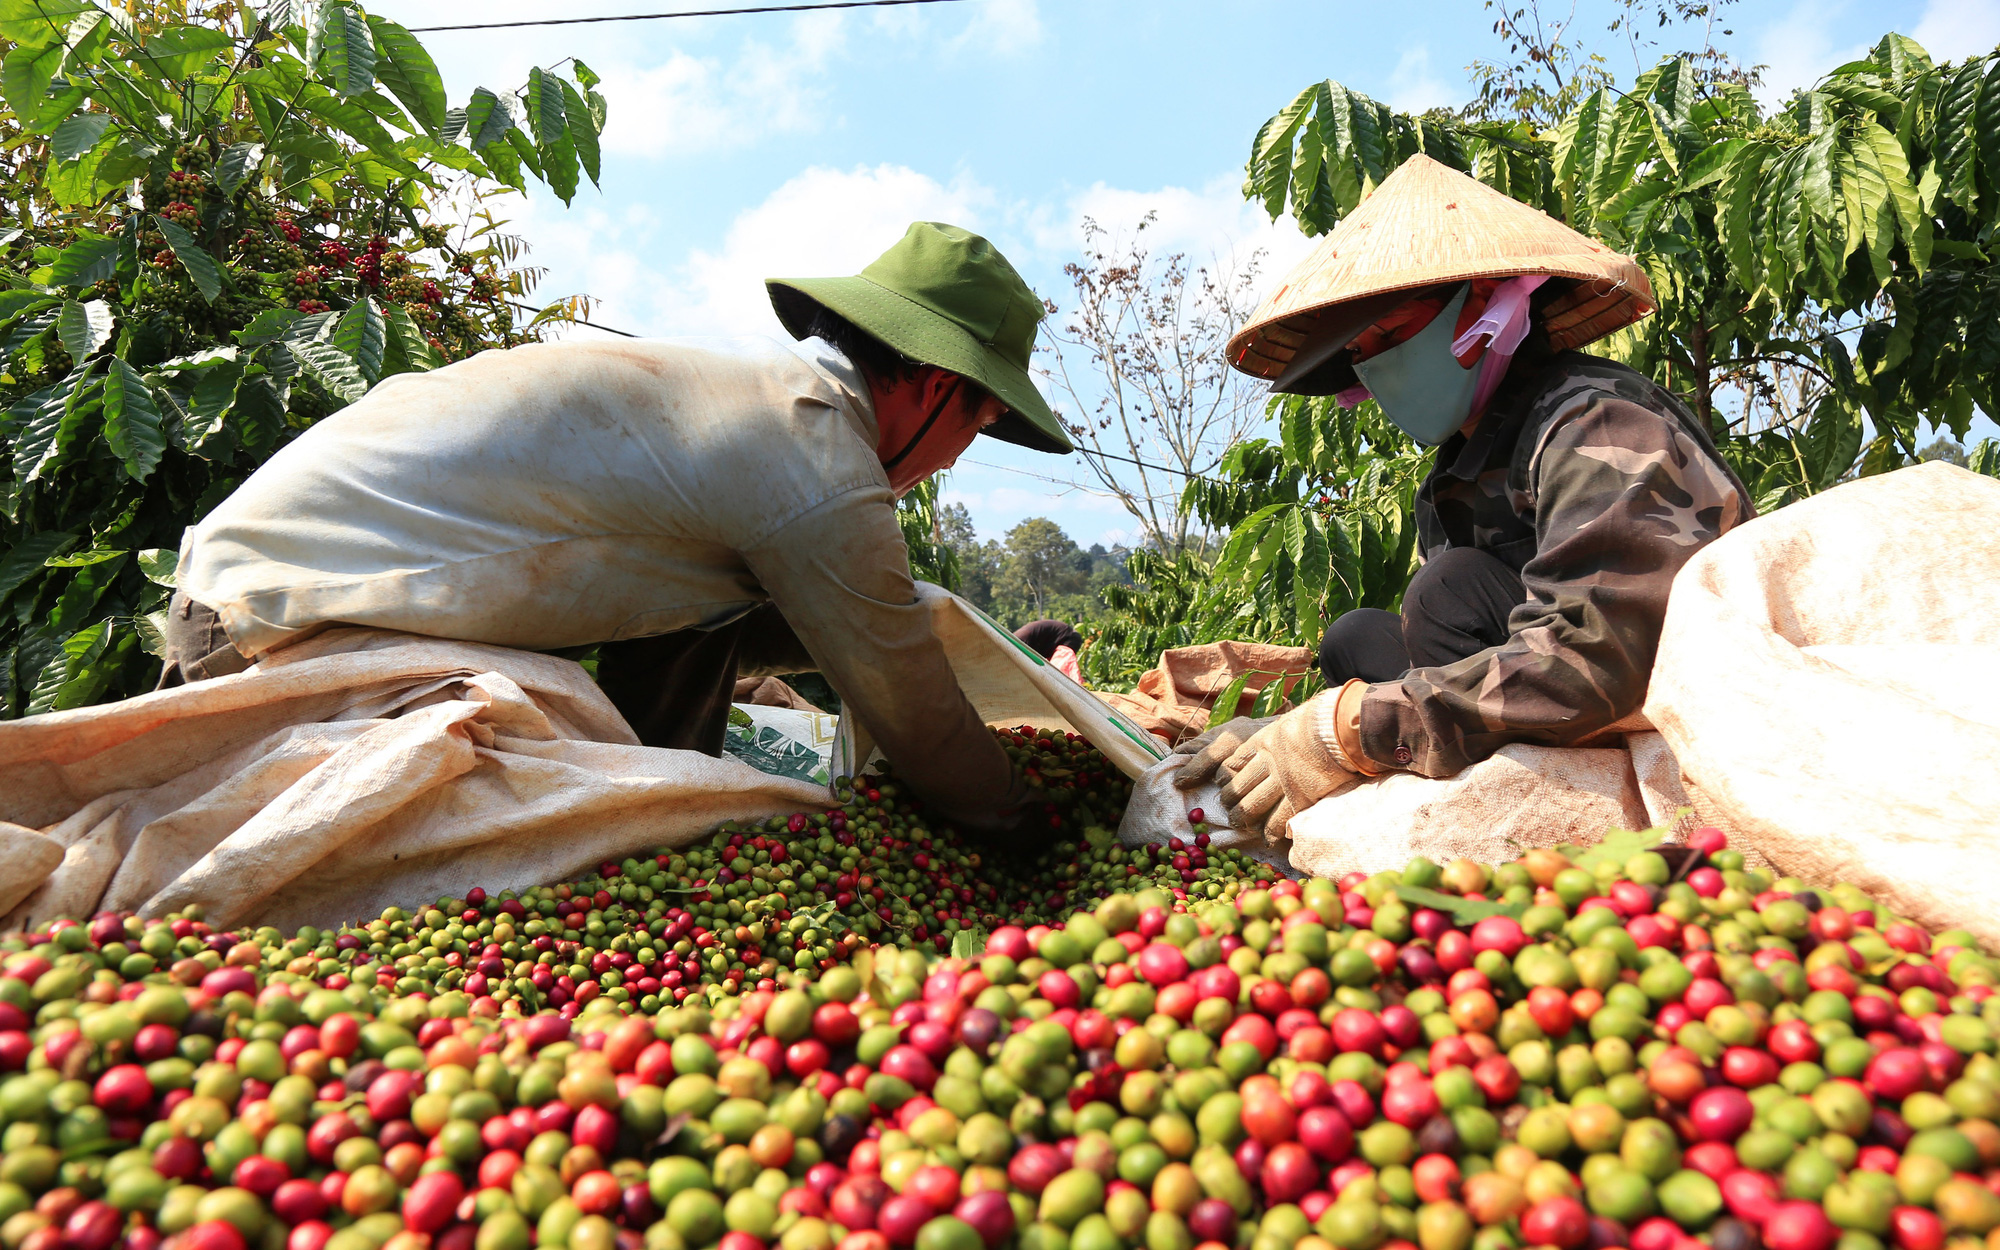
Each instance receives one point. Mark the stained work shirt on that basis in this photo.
(559, 495)
(1595, 485)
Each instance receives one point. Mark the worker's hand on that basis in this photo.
(1284, 768)
(1210, 750)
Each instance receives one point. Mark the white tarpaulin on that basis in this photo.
(1829, 678)
(364, 768)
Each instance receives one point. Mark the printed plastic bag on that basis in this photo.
(782, 741)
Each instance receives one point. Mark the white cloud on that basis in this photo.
(1213, 225)
(1004, 27)
(694, 104)
(834, 221)
(672, 87)
(1798, 49)
(823, 221)
(1952, 30)
(1413, 87)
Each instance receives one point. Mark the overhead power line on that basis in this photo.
(655, 17)
(1144, 464)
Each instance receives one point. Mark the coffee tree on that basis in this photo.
(224, 223)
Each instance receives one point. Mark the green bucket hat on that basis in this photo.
(946, 297)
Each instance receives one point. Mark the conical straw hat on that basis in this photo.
(1428, 225)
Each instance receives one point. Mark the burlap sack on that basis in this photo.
(1174, 699)
(1829, 678)
(770, 692)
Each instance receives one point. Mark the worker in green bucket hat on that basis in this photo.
(703, 512)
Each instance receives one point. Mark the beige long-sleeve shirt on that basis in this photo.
(559, 495)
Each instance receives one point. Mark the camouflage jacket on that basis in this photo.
(1597, 486)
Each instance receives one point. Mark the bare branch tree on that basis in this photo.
(1142, 361)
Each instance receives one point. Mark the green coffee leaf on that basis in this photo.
(62, 683)
(84, 327)
(362, 334)
(84, 559)
(409, 350)
(87, 584)
(1463, 911)
(1224, 710)
(259, 410)
(132, 425)
(22, 300)
(408, 71)
(54, 428)
(77, 135)
(331, 368)
(359, 124)
(92, 258)
(200, 266)
(347, 49)
(152, 630)
(160, 564)
(488, 118)
(29, 557)
(25, 76)
(238, 164)
(268, 326)
(176, 52)
(208, 405)
(37, 23)
(1617, 846)
(545, 106)
(582, 131)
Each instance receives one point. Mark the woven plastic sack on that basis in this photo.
(1829, 678)
(355, 770)
(1008, 684)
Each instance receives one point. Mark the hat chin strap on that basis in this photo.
(936, 412)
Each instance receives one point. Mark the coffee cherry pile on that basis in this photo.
(765, 906)
(1615, 1047)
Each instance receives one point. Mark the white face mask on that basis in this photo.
(1420, 384)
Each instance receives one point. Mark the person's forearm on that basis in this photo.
(841, 576)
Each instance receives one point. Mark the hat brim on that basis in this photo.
(1321, 364)
(922, 335)
(1427, 225)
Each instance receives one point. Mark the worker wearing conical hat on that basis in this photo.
(1566, 491)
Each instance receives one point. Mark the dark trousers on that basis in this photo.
(196, 648)
(1457, 605)
(674, 689)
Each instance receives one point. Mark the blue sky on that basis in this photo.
(794, 145)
